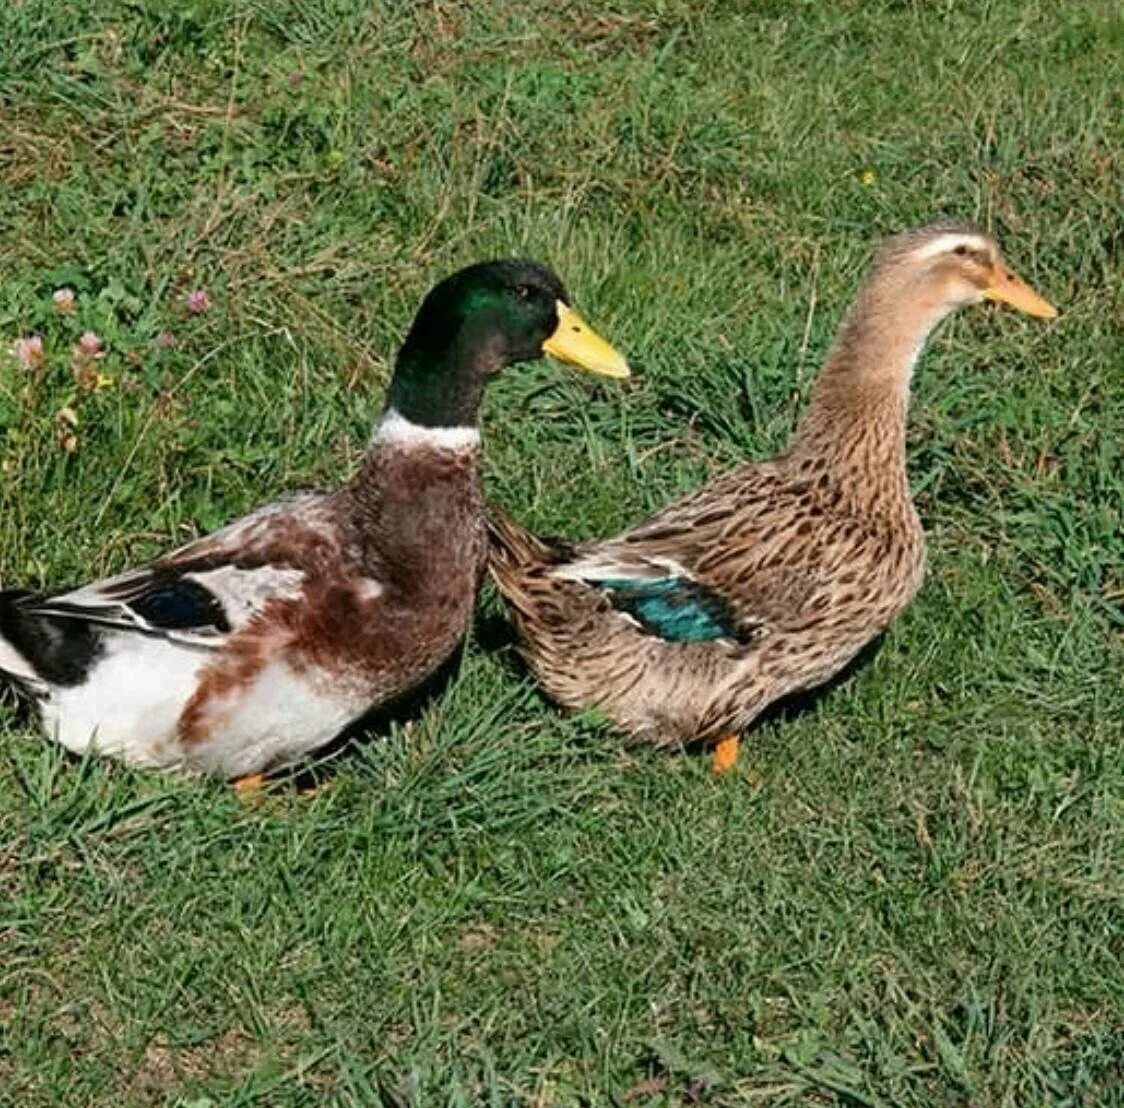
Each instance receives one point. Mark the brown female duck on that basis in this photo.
(249, 648)
(771, 578)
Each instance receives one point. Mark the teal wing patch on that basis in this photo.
(673, 608)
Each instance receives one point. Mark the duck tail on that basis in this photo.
(515, 555)
(513, 547)
(15, 634)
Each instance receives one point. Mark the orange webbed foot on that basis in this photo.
(248, 785)
(725, 754)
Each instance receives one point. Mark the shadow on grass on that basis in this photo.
(18, 710)
(371, 727)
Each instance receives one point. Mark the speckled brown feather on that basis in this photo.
(814, 552)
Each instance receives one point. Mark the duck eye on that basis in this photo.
(961, 250)
(523, 292)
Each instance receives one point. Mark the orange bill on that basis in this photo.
(1008, 288)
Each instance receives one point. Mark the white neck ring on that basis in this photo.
(395, 429)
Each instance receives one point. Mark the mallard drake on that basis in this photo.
(771, 578)
(247, 649)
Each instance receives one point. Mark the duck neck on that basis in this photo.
(855, 423)
(439, 384)
(432, 409)
(419, 500)
(418, 487)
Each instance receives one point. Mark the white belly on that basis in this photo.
(130, 702)
(130, 705)
(282, 716)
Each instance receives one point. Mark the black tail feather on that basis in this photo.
(59, 650)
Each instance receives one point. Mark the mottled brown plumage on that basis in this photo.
(390, 565)
(254, 646)
(771, 578)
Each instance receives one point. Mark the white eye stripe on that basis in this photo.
(945, 244)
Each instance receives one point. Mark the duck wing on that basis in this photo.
(195, 597)
(739, 557)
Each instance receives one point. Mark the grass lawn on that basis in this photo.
(910, 892)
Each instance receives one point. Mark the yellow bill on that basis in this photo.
(576, 343)
(1009, 289)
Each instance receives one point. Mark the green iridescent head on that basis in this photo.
(476, 322)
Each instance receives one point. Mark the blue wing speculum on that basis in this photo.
(674, 608)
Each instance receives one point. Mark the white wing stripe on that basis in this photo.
(604, 568)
